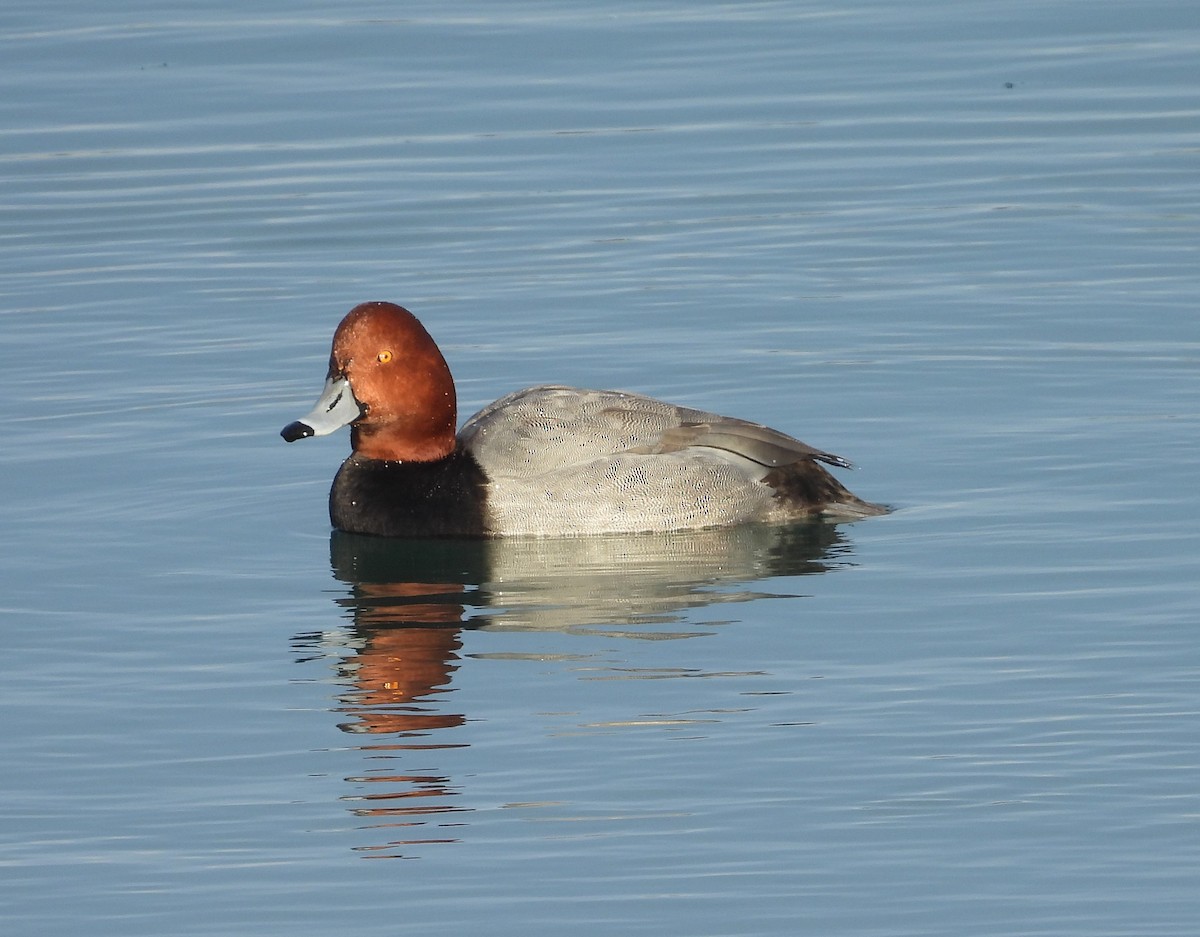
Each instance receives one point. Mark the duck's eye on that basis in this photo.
(384, 357)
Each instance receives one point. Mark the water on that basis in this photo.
(955, 243)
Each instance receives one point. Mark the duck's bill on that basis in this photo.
(335, 408)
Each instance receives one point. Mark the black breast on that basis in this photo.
(410, 499)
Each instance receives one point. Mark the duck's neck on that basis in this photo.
(395, 443)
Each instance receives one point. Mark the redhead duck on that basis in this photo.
(544, 461)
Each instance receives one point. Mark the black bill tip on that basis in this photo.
(294, 431)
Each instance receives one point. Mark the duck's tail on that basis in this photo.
(805, 489)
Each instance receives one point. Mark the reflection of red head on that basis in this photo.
(398, 667)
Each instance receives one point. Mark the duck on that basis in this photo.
(545, 461)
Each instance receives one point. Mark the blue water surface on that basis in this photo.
(956, 243)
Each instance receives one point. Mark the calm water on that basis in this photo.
(955, 242)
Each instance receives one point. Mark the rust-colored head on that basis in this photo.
(403, 405)
(398, 375)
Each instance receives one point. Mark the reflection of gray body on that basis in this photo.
(615, 580)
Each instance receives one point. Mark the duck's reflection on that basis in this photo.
(409, 603)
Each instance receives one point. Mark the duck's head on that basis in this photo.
(388, 380)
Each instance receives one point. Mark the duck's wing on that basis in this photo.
(768, 447)
(552, 427)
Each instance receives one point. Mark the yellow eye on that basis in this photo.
(384, 357)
